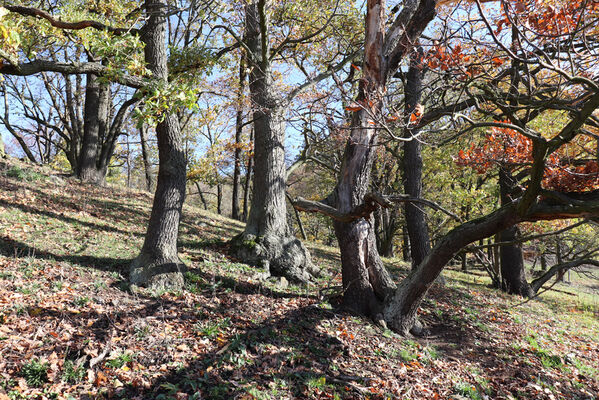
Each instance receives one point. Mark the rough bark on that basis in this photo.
(146, 157)
(246, 184)
(513, 275)
(412, 164)
(95, 125)
(266, 239)
(238, 132)
(158, 266)
(366, 283)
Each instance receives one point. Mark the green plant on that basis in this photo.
(468, 390)
(142, 331)
(35, 373)
(7, 383)
(212, 328)
(317, 382)
(81, 301)
(120, 361)
(72, 373)
(407, 355)
(24, 174)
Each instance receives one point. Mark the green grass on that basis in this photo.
(35, 373)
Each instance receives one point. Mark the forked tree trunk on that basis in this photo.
(158, 265)
(97, 100)
(412, 164)
(267, 239)
(366, 283)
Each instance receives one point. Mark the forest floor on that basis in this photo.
(70, 327)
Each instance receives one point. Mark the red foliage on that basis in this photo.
(506, 147)
(551, 19)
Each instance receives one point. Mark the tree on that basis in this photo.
(85, 127)
(531, 202)
(412, 160)
(158, 265)
(266, 238)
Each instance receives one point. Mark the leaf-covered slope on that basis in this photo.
(70, 326)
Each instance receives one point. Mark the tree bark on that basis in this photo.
(412, 164)
(238, 132)
(158, 265)
(400, 310)
(513, 275)
(366, 282)
(267, 239)
(97, 98)
(146, 157)
(248, 179)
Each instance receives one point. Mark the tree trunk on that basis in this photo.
(158, 266)
(513, 276)
(412, 164)
(266, 239)
(97, 98)
(400, 310)
(366, 282)
(238, 133)
(559, 269)
(219, 198)
(248, 179)
(201, 194)
(146, 157)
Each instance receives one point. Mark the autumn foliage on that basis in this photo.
(507, 148)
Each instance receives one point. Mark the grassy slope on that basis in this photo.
(64, 301)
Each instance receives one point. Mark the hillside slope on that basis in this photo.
(71, 328)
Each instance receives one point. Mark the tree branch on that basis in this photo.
(57, 23)
(37, 66)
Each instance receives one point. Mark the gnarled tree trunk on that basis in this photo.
(158, 265)
(400, 310)
(267, 239)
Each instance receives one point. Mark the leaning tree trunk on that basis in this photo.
(412, 164)
(513, 276)
(400, 310)
(267, 239)
(158, 265)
